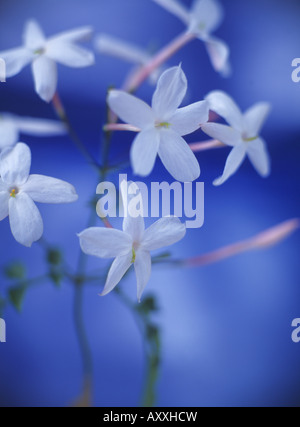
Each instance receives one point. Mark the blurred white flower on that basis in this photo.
(131, 246)
(116, 47)
(11, 126)
(43, 54)
(242, 134)
(204, 17)
(162, 126)
(19, 191)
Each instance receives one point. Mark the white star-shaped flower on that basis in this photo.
(204, 17)
(242, 134)
(129, 52)
(162, 126)
(131, 246)
(19, 191)
(11, 126)
(44, 53)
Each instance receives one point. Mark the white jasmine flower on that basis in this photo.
(19, 191)
(242, 134)
(204, 17)
(11, 126)
(44, 53)
(116, 47)
(162, 126)
(131, 246)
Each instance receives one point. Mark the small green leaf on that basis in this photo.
(16, 270)
(16, 296)
(54, 257)
(148, 305)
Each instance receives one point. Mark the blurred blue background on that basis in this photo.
(226, 328)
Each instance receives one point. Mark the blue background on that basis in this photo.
(227, 327)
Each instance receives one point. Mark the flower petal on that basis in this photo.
(188, 119)
(144, 151)
(9, 134)
(15, 164)
(222, 133)
(44, 189)
(39, 127)
(219, 54)
(169, 94)
(25, 220)
(80, 34)
(117, 47)
(69, 54)
(130, 109)
(164, 232)
(34, 37)
(176, 8)
(105, 242)
(4, 199)
(117, 270)
(45, 77)
(233, 162)
(134, 226)
(224, 105)
(259, 156)
(255, 117)
(177, 157)
(206, 16)
(15, 60)
(142, 268)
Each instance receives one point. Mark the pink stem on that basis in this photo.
(112, 127)
(206, 145)
(263, 240)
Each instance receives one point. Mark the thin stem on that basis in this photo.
(112, 127)
(206, 145)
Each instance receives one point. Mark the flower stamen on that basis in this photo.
(165, 125)
(133, 256)
(13, 192)
(250, 139)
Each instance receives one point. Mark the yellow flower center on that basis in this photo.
(165, 125)
(13, 192)
(133, 255)
(250, 139)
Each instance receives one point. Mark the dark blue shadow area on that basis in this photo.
(227, 327)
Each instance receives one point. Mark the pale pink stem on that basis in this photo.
(206, 145)
(112, 127)
(160, 58)
(263, 240)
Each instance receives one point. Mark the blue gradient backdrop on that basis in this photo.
(226, 328)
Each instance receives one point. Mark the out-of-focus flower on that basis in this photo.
(44, 53)
(132, 245)
(19, 191)
(204, 17)
(131, 53)
(242, 134)
(11, 126)
(162, 126)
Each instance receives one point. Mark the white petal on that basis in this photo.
(255, 117)
(15, 164)
(175, 7)
(45, 77)
(134, 226)
(142, 268)
(169, 94)
(69, 54)
(38, 127)
(144, 151)
(4, 199)
(16, 60)
(164, 232)
(105, 242)
(80, 34)
(188, 119)
(233, 162)
(206, 16)
(44, 189)
(9, 134)
(259, 156)
(177, 157)
(224, 105)
(25, 220)
(222, 133)
(34, 37)
(219, 54)
(130, 109)
(117, 270)
(117, 47)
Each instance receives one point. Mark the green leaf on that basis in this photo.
(148, 305)
(16, 296)
(17, 270)
(54, 257)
